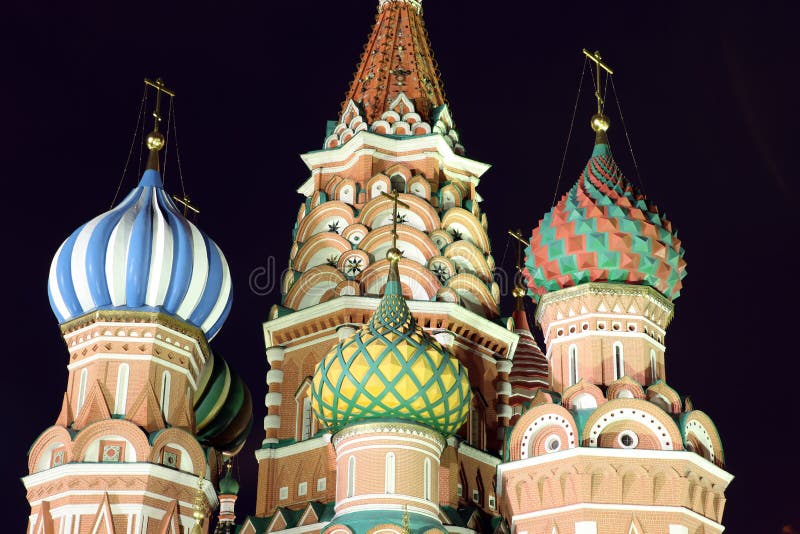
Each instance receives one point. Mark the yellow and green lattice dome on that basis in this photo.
(391, 370)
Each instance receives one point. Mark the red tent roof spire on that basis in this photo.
(396, 59)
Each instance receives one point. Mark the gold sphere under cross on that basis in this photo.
(600, 122)
(155, 141)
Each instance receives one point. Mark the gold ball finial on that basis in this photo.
(393, 254)
(518, 292)
(600, 122)
(155, 141)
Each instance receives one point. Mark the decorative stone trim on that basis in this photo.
(504, 366)
(605, 288)
(274, 376)
(504, 388)
(504, 411)
(273, 399)
(275, 354)
(388, 428)
(272, 421)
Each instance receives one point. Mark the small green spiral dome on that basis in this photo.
(228, 485)
(391, 370)
(604, 230)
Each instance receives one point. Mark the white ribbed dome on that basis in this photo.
(143, 255)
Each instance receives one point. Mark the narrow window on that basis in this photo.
(448, 201)
(347, 194)
(389, 484)
(473, 423)
(653, 365)
(476, 425)
(305, 431)
(122, 389)
(573, 365)
(351, 476)
(82, 389)
(166, 380)
(426, 480)
(398, 183)
(619, 363)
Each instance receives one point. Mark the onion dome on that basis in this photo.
(223, 407)
(529, 371)
(229, 485)
(391, 370)
(604, 230)
(142, 255)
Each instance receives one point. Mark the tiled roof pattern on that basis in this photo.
(604, 230)
(397, 59)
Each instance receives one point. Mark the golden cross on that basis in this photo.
(518, 236)
(600, 65)
(160, 88)
(518, 291)
(186, 203)
(394, 198)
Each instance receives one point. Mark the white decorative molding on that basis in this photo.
(457, 312)
(470, 452)
(445, 338)
(272, 421)
(274, 376)
(504, 388)
(294, 448)
(648, 509)
(275, 354)
(345, 331)
(504, 366)
(504, 411)
(273, 399)
(611, 455)
(89, 470)
(366, 143)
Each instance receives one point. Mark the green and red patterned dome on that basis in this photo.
(604, 230)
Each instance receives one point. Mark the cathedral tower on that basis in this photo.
(394, 135)
(149, 411)
(611, 447)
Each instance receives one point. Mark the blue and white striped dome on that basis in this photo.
(142, 255)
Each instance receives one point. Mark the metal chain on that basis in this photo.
(569, 135)
(130, 150)
(627, 137)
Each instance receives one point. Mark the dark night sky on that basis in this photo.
(706, 96)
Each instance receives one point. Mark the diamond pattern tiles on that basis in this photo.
(604, 230)
(391, 370)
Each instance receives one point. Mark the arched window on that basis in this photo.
(347, 194)
(389, 484)
(304, 416)
(619, 362)
(305, 431)
(426, 480)
(122, 389)
(476, 423)
(82, 389)
(377, 188)
(448, 201)
(583, 401)
(573, 365)
(351, 476)
(653, 365)
(398, 183)
(166, 382)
